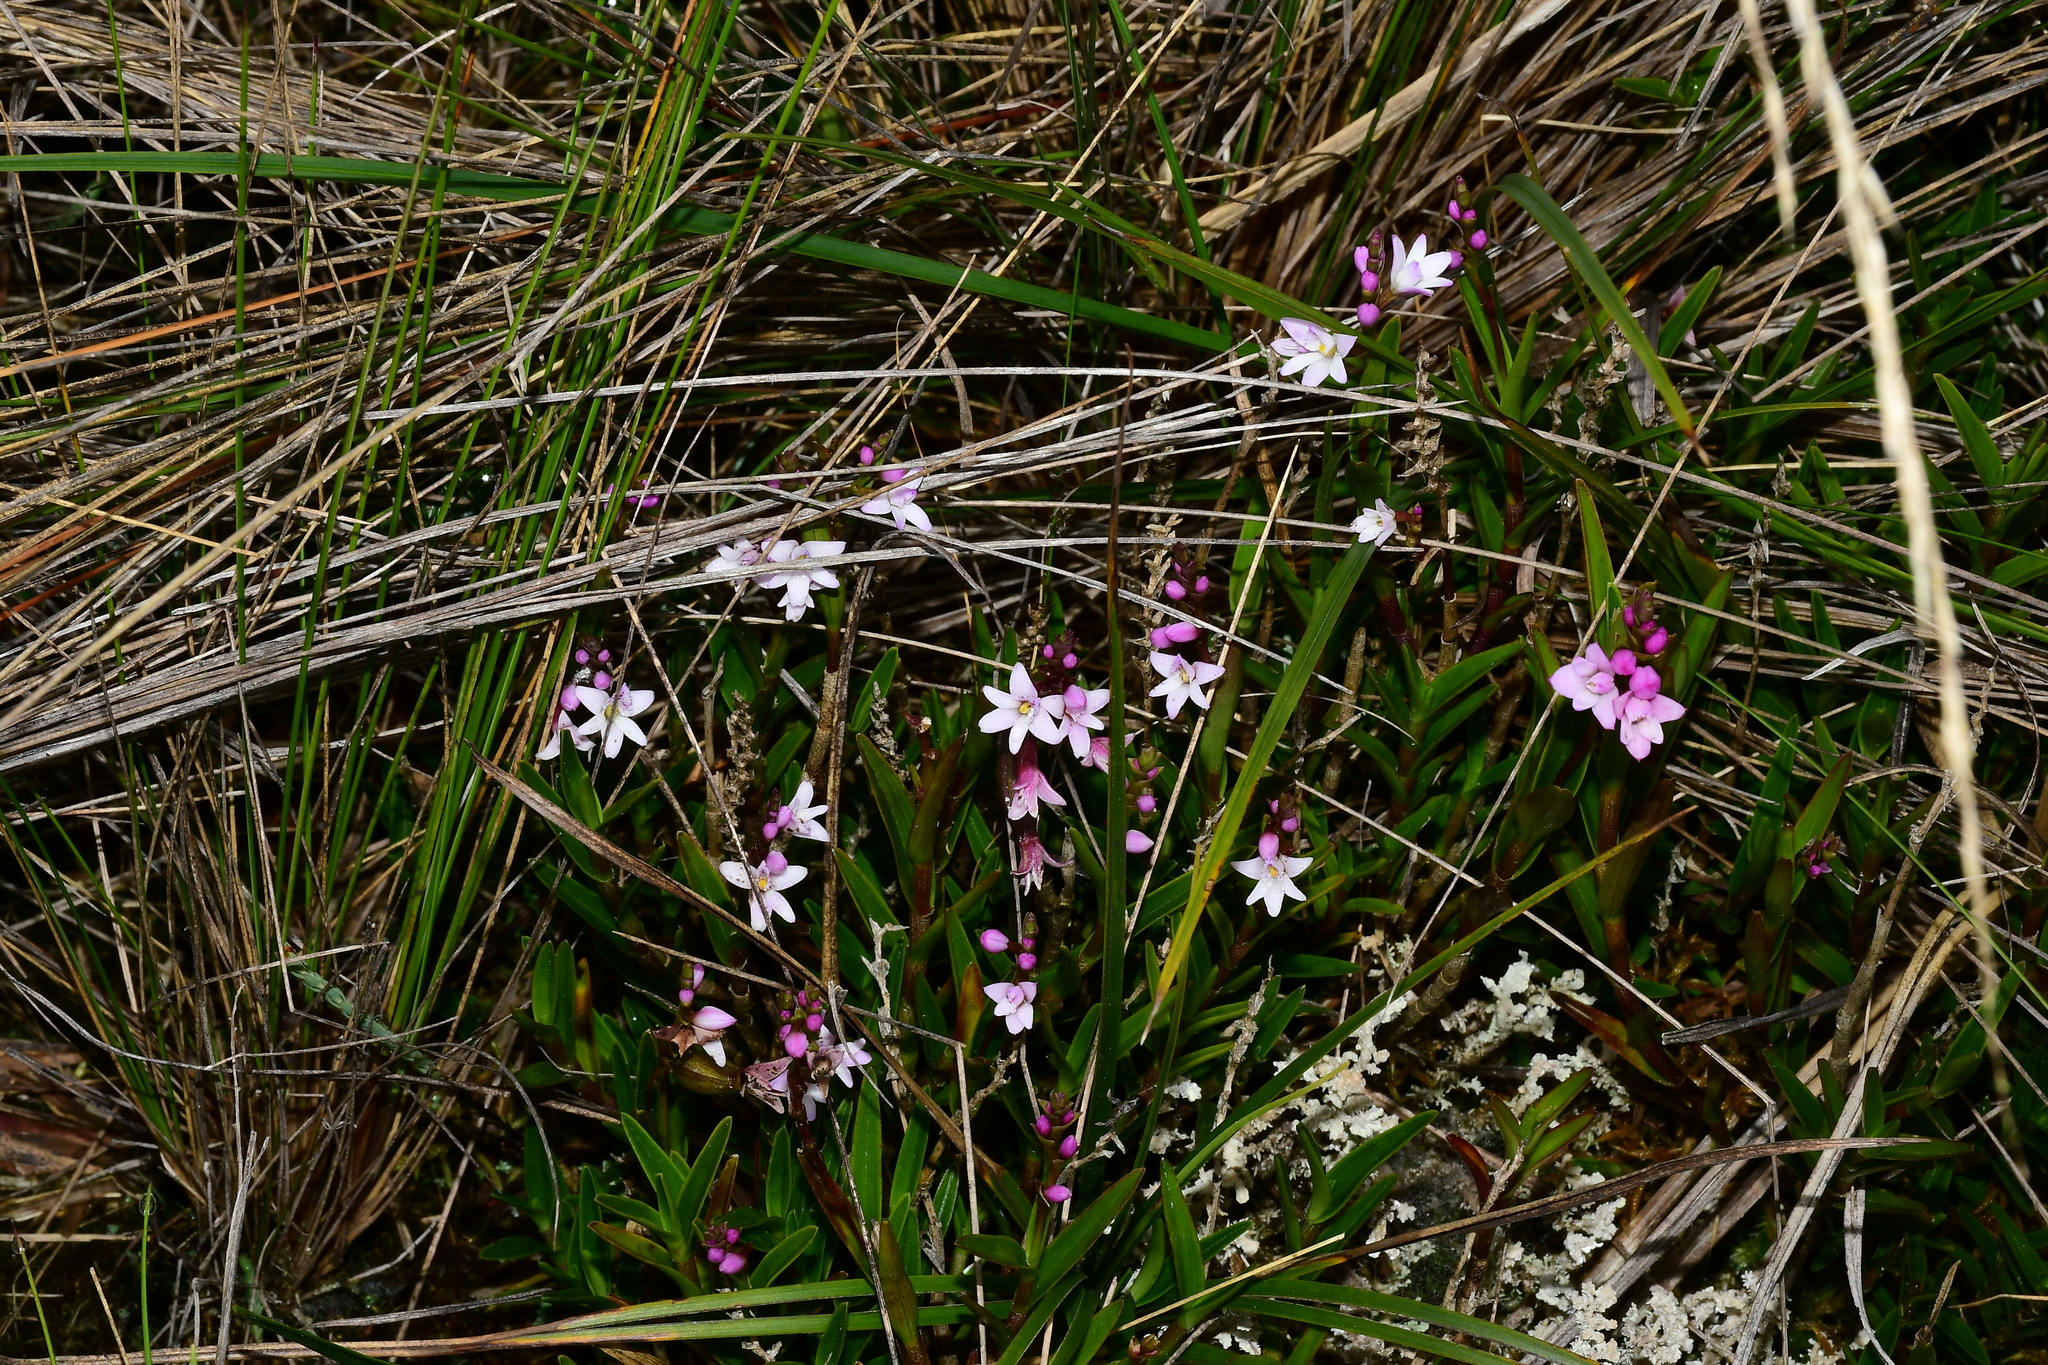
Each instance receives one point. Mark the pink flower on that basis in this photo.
(1031, 788)
(1588, 681)
(1272, 874)
(1013, 1002)
(764, 886)
(1644, 712)
(1420, 271)
(706, 1029)
(566, 726)
(1313, 350)
(1081, 705)
(1098, 754)
(1032, 860)
(898, 502)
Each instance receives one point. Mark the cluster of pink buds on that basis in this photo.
(722, 1249)
(1651, 638)
(1465, 220)
(1143, 799)
(1816, 854)
(1015, 999)
(1413, 270)
(1055, 1120)
(637, 500)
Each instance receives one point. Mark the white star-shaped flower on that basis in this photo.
(1272, 874)
(1315, 352)
(733, 558)
(1183, 681)
(764, 886)
(1021, 711)
(565, 724)
(1375, 524)
(611, 715)
(1420, 271)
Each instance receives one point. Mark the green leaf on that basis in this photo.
(1977, 442)
(334, 1351)
(867, 1151)
(1005, 1251)
(1599, 568)
(892, 801)
(1820, 812)
(1579, 254)
(1330, 603)
(1396, 1306)
(690, 1197)
(781, 1256)
(1687, 313)
(866, 894)
(662, 1171)
(634, 1245)
(1186, 1248)
(1070, 1246)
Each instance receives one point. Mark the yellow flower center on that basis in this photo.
(1023, 707)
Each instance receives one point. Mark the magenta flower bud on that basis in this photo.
(686, 995)
(797, 1043)
(601, 681)
(696, 973)
(1027, 943)
(1457, 258)
(814, 1022)
(1161, 640)
(867, 454)
(1453, 210)
(1623, 663)
(1048, 651)
(1471, 215)
(1659, 638)
(1478, 239)
(604, 656)
(1147, 803)
(1184, 632)
(582, 656)
(569, 699)
(733, 1264)
(1362, 258)
(1057, 1194)
(1076, 696)
(1644, 682)
(1368, 315)
(895, 475)
(776, 865)
(1043, 1125)
(1069, 1145)
(1136, 841)
(1369, 281)
(1290, 824)
(783, 1032)
(773, 483)
(1027, 961)
(785, 1014)
(995, 940)
(770, 830)
(1073, 661)
(732, 1236)
(1201, 585)
(1071, 1116)
(1174, 590)
(1628, 614)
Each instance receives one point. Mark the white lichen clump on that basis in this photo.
(1520, 1004)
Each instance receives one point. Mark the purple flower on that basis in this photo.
(1029, 789)
(1081, 705)
(1183, 681)
(764, 885)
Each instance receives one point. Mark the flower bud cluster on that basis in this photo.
(722, 1249)
(1054, 1124)
(1650, 638)
(1178, 655)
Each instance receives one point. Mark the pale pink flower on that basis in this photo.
(768, 1082)
(1313, 350)
(1013, 1002)
(1588, 681)
(1644, 712)
(1021, 711)
(764, 885)
(565, 725)
(1032, 860)
(1420, 271)
(798, 571)
(611, 716)
(1183, 681)
(1375, 523)
(706, 1029)
(898, 502)
(800, 817)
(1272, 874)
(1098, 754)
